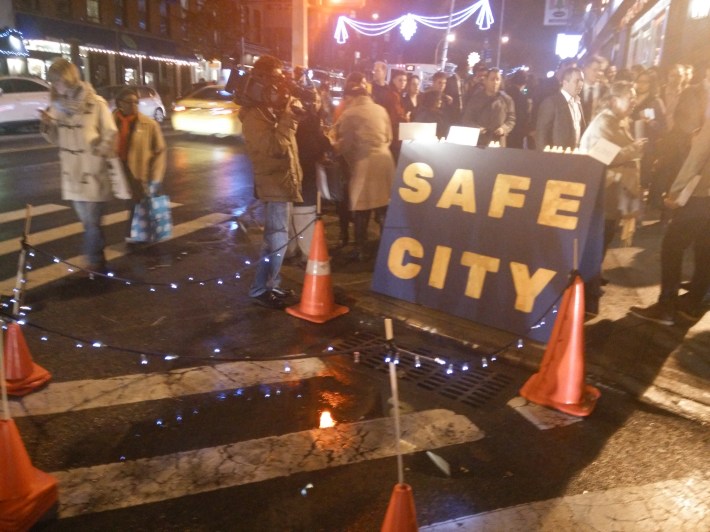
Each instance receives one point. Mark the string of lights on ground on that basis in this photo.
(390, 352)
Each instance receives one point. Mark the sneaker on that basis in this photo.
(283, 293)
(656, 313)
(269, 300)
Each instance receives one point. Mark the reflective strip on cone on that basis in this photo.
(317, 267)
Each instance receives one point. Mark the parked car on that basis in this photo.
(149, 101)
(209, 110)
(20, 101)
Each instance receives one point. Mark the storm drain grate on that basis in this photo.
(473, 387)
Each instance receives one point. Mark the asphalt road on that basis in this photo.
(176, 404)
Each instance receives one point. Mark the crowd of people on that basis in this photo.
(659, 124)
(652, 119)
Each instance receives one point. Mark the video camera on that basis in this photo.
(251, 89)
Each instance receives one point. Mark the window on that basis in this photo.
(92, 11)
(26, 85)
(163, 17)
(142, 15)
(118, 11)
(63, 8)
(28, 5)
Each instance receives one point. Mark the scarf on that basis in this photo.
(72, 103)
(125, 125)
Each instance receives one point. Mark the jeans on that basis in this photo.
(302, 221)
(276, 220)
(90, 213)
(689, 224)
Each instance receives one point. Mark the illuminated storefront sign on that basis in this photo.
(699, 9)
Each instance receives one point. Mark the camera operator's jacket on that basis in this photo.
(271, 147)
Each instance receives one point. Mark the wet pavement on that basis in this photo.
(178, 404)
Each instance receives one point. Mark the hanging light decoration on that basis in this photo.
(408, 23)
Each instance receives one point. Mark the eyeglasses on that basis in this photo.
(130, 102)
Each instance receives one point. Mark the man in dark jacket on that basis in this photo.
(560, 118)
(491, 110)
(269, 129)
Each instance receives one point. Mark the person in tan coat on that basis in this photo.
(362, 135)
(79, 122)
(141, 148)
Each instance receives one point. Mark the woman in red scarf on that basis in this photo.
(141, 147)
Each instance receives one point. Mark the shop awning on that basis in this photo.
(35, 27)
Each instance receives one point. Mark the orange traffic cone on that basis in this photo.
(21, 373)
(560, 382)
(401, 515)
(26, 493)
(317, 301)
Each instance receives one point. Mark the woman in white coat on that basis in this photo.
(80, 123)
(362, 135)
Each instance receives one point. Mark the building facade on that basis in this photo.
(650, 32)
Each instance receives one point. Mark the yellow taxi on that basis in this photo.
(210, 110)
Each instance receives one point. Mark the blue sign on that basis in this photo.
(488, 234)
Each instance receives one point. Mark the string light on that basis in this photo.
(408, 23)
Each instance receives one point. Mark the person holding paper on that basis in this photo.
(430, 110)
(689, 201)
(622, 189)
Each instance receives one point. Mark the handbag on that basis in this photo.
(152, 218)
(331, 178)
(119, 182)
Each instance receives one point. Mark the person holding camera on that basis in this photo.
(269, 119)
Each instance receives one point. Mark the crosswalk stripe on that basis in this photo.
(42, 237)
(19, 214)
(149, 480)
(73, 396)
(669, 505)
(48, 274)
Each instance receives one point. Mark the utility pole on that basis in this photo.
(445, 50)
(299, 32)
(500, 32)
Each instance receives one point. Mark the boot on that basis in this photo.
(361, 220)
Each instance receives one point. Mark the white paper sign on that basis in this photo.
(417, 131)
(468, 136)
(604, 151)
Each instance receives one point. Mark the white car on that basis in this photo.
(149, 101)
(20, 101)
(209, 110)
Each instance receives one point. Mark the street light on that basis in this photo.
(446, 39)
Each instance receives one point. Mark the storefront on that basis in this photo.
(654, 32)
(105, 56)
(646, 39)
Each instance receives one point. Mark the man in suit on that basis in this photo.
(560, 119)
(592, 92)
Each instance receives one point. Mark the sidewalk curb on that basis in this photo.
(665, 392)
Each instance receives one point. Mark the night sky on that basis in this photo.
(531, 43)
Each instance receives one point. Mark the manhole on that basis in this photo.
(474, 386)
